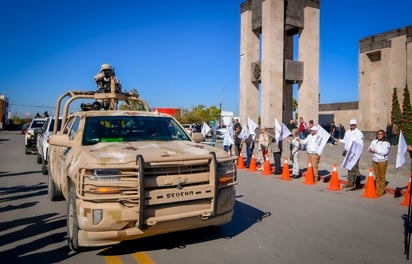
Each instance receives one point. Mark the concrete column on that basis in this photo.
(272, 61)
(308, 94)
(249, 53)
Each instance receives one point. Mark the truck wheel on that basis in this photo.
(44, 169)
(39, 158)
(52, 191)
(72, 225)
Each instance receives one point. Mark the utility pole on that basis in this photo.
(220, 114)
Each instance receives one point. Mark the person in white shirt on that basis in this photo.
(351, 135)
(311, 147)
(380, 148)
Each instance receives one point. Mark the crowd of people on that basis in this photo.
(306, 137)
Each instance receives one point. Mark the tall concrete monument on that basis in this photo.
(268, 64)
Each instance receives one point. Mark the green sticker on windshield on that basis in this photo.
(116, 139)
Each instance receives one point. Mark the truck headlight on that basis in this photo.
(104, 175)
(227, 172)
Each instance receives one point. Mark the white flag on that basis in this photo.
(400, 156)
(228, 138)
(322, 139)
(352, 156)
(252, 126)
(244, 133)
(205, 129)
(230, 129)
(281, 131)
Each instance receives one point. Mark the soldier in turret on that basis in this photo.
(103, 79)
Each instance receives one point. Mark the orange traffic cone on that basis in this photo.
(408, 193)
(285, 171)
(240, 162)
(266, 168)
(309, 178)
(252, 165)
(370, 191)
(334, 180)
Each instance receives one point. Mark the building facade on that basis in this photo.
(4, 111)
(385, 63)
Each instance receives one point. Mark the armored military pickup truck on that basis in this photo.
(128, 174)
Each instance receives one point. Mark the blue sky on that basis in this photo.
(176, 53)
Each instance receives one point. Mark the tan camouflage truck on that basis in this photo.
(128, 174)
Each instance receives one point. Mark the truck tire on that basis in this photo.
(38, 158)
(44, 168)
(72, 225)
(52, 191)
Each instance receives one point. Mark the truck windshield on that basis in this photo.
(131, 128)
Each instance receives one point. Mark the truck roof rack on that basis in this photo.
(110, 100)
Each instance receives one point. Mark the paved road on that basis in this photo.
(275, 221)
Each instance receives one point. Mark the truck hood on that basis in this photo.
(117, 153)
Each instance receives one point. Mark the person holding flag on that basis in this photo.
(263, 144)
(237, 138)
(250, 140)
(353, 141)
(311, 142)
(276, 146)
(228, 140)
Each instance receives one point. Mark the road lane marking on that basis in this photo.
(142, 258)
(113, 260)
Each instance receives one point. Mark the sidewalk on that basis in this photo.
(397, 179)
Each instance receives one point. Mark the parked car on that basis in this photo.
(42, 142)
(220, 132)
(189, 128)
(30, 134)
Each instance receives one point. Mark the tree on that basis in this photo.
(295, 108)
(396, 114)
(199, 114)
(132, 105)
(406, 125)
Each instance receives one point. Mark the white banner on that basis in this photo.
(252, 126)
(205, 129)
(352, 156)
(282, 132)
(244, 133)
(400, 155)
(322, 139)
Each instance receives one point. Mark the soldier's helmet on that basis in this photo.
(106, 67)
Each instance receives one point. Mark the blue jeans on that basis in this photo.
(249, 151)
